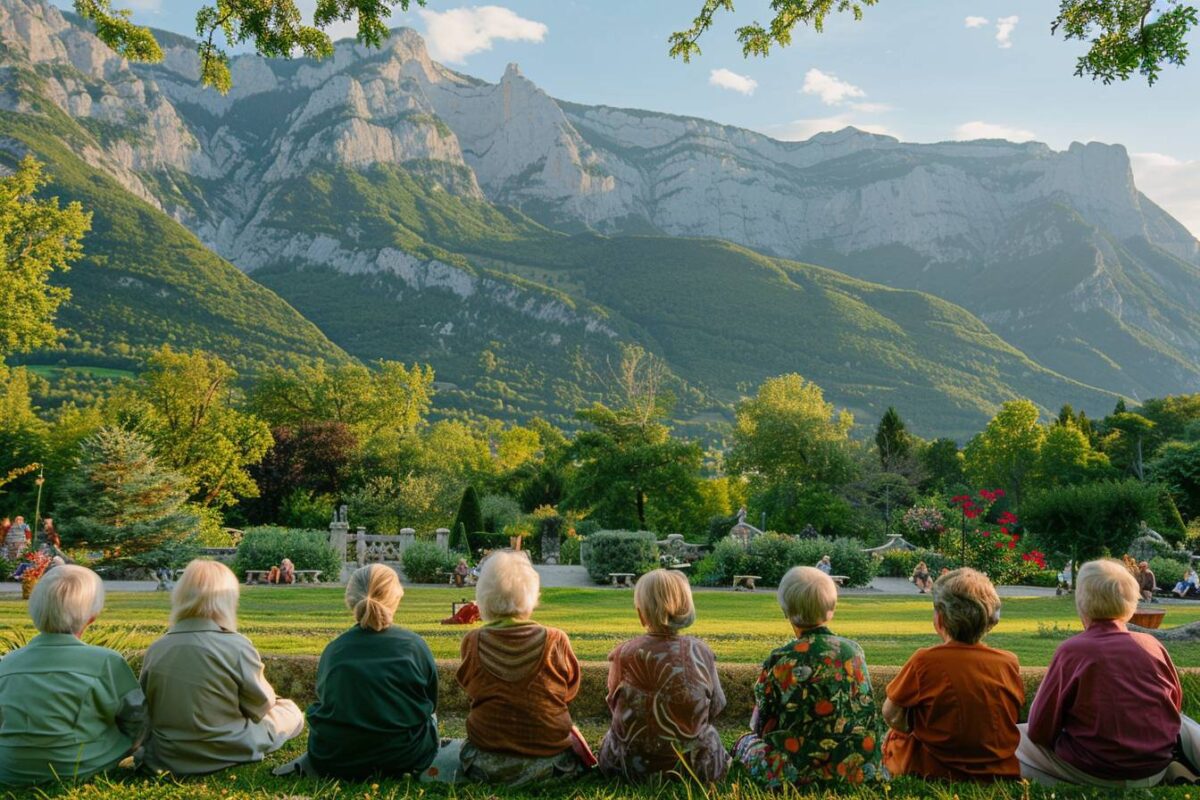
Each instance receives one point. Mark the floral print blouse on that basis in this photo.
(814, 716)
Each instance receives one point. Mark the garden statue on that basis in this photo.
(743, 531)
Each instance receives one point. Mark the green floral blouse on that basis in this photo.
(814, 717)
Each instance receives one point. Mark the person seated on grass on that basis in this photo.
(663, 691)
(377, 689)
(1189, 584)
(953, 708)
(68, 710)
(1108, 711)
(211, 707)
(921, 578)
(814, 718)
(519, 677)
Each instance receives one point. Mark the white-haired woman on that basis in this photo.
(1108, 711)
(663, 691)
(519, 677)
(68, 710)
(377, 690)
(815, 720)
(211, 707)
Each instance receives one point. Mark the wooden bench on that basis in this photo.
(745, 582)
(468, 579)
(254, 576)
(621, 579)
(840, 580)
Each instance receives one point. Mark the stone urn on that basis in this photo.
(1148, 617)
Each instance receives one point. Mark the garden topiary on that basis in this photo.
(634, 552)
(425, 562)
(469, 516)
(264, 547)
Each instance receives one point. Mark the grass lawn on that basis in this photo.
(740, 627)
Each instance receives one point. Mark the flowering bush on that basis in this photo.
(38, 563)
(995, 547)
(923, 525)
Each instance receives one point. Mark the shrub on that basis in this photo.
(498, 510)
(425, 562)
(483, 542)
(568, 550)
(1167, 571)
(900, 563)
(586, 527)
(621, 551)
(771, 555)
(264, 547)
(469, 516)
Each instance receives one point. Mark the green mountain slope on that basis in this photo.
(721, 316)
(145, 280)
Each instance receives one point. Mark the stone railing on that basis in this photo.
(364, 548)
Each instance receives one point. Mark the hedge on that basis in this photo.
(264, 547)
(634, 552)
(900, 563)
(425, 562)
(771, 555)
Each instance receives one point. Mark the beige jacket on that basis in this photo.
(210, 705)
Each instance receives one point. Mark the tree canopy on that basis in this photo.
(1124, 36)
(276, 28)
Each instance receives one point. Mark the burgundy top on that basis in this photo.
(1109, 704)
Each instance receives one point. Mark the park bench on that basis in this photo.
(302, 576)
(256, 576)
(621, 579)
(745, 582)
(840, 580)
(468, 579)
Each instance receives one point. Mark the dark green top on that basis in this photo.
(376, 695)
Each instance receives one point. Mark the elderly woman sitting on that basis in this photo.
(1108, 711)
(814, 717)
(953, 708)
(377, 688)
(519, 677)
(210, 704)
(67, 709)
(663, 691)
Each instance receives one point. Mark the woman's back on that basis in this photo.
(376, 696)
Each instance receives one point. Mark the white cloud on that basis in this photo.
(832, 90)
(975, 22)
(871, 108)
(1172, 184)
(728, 79)
(970, 131)
(801, 129)
(1004, 29)
(337, 31)
(459, 32)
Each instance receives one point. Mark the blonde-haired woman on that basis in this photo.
(377, 689)
(67, 709)
(815, 720)
(519, 677)
(211, 707)
(1108, 711)
(663, 691)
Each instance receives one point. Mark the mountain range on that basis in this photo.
(380, 205)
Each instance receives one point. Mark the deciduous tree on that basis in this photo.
(1005, 453)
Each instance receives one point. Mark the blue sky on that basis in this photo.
(922, 71)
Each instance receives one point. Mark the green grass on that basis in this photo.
(740, 627)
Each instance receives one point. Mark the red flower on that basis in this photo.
(971, 513)
(999, 493)
(986, 495)
(1007, 518)
(1004, 530)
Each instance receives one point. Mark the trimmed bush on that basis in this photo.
(568, 551)
(1167, 571)
(498, 510)
(635, 552)
(771, 555)
(264, 547)
(469, 518)
(425, 562)
(900, 563)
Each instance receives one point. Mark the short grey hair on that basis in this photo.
(66, 599)
(807, 596)
(508, 586)
(1105, 589)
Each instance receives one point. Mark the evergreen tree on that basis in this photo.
(469, 517)
(121, 500)
(459, 541)
(892, 440)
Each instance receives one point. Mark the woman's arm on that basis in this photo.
(256, 696)
(895, 716)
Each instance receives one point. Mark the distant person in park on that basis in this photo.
(921, 578)
(287, 571)
(377, 690)
(663, 691)
(825, 565)
(519, 677)
(211, 707)
(1064, 579)
(1146, 582)
(815, 720)
(1108, 711)
(18, 537)
(953, 708)
(461, 572)
(1189, 584)
(68, 710)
